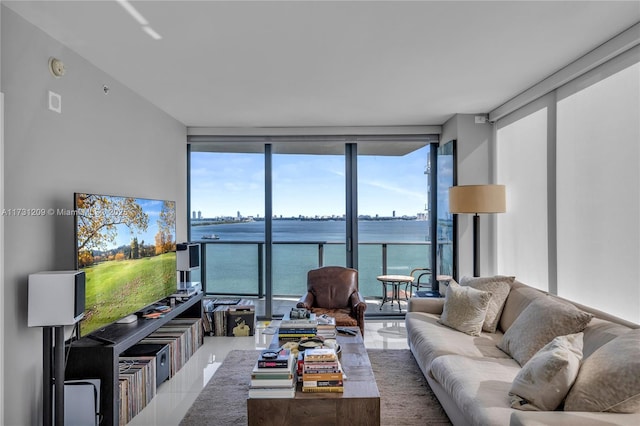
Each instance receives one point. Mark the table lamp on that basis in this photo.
(475, 199)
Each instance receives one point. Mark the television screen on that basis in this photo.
(126, 247)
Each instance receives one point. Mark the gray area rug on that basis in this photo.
(405, 396)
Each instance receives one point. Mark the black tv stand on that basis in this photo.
(96, 356)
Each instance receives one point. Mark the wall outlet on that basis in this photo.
(55, 102)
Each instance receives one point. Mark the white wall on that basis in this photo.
(521, 157)
(117, 143)
(475, 161)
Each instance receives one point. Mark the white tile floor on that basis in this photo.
(175, 396)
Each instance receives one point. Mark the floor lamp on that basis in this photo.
(475, 199)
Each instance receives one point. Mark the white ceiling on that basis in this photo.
(322, 63)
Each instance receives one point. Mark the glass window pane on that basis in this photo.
(227, 202)
(393, 210)
(445, 252)
(308, 216)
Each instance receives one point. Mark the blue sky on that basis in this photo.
(224, 183)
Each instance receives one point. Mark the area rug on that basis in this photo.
(405, 396)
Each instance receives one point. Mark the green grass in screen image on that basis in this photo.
(118, 288)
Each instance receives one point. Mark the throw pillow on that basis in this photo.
(608, 379)
(499, 286)
(544, 381)
(465, 309)
(541, 321)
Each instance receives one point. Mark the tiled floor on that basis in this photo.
(175, 396)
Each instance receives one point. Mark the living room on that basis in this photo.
(110, 138)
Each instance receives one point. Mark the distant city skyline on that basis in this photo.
(225, 184)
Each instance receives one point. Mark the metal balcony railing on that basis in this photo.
(238, 267)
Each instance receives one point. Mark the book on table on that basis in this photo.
(272, 392)
(320, 354)
(322, 371)
(273, 381)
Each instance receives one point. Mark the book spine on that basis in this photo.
(323, 389)
(333, 371)
(273, 364)
(321, 383)
(320, 365)
(321, 376)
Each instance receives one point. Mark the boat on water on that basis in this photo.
(211, 237)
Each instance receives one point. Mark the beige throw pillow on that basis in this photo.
(544, 381)
(541, 321)
(609, 380)
(499, 286)
(464, 309)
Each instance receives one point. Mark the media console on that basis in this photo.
(97, 357)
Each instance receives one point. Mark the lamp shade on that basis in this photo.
(477, 199)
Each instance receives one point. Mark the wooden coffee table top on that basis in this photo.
(358, 405)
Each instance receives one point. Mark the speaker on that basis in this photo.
(188, 256)
(56, 298)
(162, 354)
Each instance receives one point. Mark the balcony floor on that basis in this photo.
(282, 305)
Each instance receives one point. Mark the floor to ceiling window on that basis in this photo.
(446, 260)
(308, 212)
(393, 212)
(267, 210)
(227, 216)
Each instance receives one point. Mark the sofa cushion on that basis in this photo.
(499, 286)
(541, 321)
(519, 298)
(465, 308)
(428, 340)
(609, 379)
(546, 378)
(600, 332)
(478, 386)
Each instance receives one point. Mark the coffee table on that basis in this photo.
(359, 404)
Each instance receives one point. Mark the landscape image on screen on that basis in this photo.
(126, 247)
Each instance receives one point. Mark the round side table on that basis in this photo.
(395, 281)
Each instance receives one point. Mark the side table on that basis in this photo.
(395, 281)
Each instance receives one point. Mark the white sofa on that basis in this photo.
(472, 377)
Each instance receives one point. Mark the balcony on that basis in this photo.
(236, 268)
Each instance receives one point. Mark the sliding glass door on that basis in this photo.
(393, 212)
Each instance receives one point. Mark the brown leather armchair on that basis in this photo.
(333, 290)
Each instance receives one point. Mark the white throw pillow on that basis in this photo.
(465, 309)
(499, 286)
(544, 381)
(609, 379)
(539, 323)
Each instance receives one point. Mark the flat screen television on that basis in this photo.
(127, 248)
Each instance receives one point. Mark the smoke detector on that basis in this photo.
(56, 66)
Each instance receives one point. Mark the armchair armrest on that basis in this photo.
(356, 300)
(429, 305)
(306, 301)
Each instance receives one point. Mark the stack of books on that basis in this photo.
(274, 375)
(326, 327)
(322, 371)
(292, 330)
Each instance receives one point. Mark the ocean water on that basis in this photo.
(232, 260)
